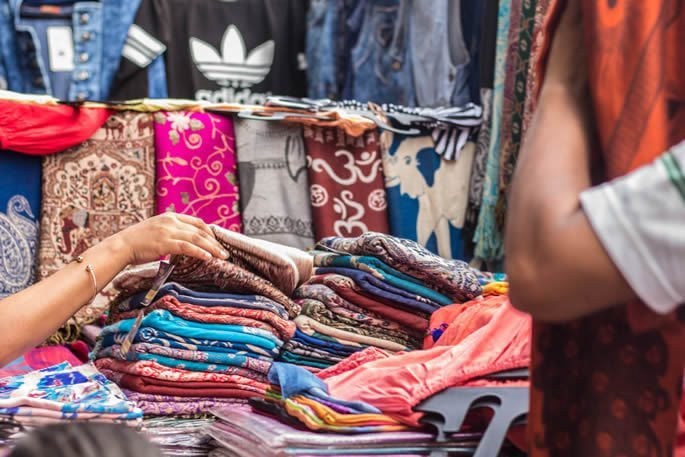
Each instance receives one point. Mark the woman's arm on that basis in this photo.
(557, 265)
(29, 317)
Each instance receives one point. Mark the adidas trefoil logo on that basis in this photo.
(234, 67)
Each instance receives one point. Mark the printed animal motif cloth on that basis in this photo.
(92, 191)
(19, 213)
(427, 195)
(453, 278)
(272, 169)
(67, 389)
(196, 167)
(346, 182)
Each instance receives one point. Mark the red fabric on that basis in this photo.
(240, 387)
(255, 318)
(396, 384)
(352, 295)
(81, 350)
(39, 358)
(39, 129)
(458, 321)
(346, 182)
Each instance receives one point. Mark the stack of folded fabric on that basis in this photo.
(372, 291)
(211, 334)
(65, 393)
(179, 437)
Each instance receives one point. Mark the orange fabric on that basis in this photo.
(461, 320)
(398, 383)
(42, 129)
(610, 384)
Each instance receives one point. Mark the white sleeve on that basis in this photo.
(640, 220)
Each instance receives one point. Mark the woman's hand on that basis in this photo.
(169, 234)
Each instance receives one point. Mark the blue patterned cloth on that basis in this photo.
(70, 390)
(381, 271)
(20, 197)
(167, 322)
(154, 336)
(325, 344)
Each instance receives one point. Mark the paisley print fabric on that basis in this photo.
(427, 194)
(91, 192)
(310, 326)
(227, 276)
(346, 182)
(283, 266)
(451, 277)
(220, 315)
(19, 207)
(578, 405)
(196, 167)
(274, 189)
(152, 369)
(335, 304)
(184, 409)
(381, 271)
(347, 289)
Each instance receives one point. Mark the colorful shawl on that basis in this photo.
(450, 277)
(19, 212)
(91, 192)
(610, 384)
(488, 240)
(427, 194)
(196, 167)
(346, 182)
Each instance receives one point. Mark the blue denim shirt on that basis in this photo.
(99, 31)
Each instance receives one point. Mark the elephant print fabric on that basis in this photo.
(19, 207)
(274, 190)
(427, 195)
(346, 182)
(92, 191)
(196, 167)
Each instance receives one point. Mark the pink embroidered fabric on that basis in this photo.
(196, 167)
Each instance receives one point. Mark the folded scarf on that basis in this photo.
(313, 352)
(453, 278)
(309, 326)
(167, 322)
(204, 299)
(147, 351)
(264, 320)
(153, 336)
(383, 291)
(341, 307)
(348, 289)
(152, 369)
(185, 409)
(381, 271)
(241, 388)
(326, 342)
(284, 266)
(327, 350)
(297, 359)
(317, 311)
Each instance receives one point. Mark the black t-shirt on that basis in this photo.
(217, 50)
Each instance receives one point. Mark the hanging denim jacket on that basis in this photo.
(35, 50)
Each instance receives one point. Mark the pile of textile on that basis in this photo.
(372, 291)
(179, 437)
(239, 431)
(65, 393)
(211, 334)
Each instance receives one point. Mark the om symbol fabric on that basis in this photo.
(346, 182)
